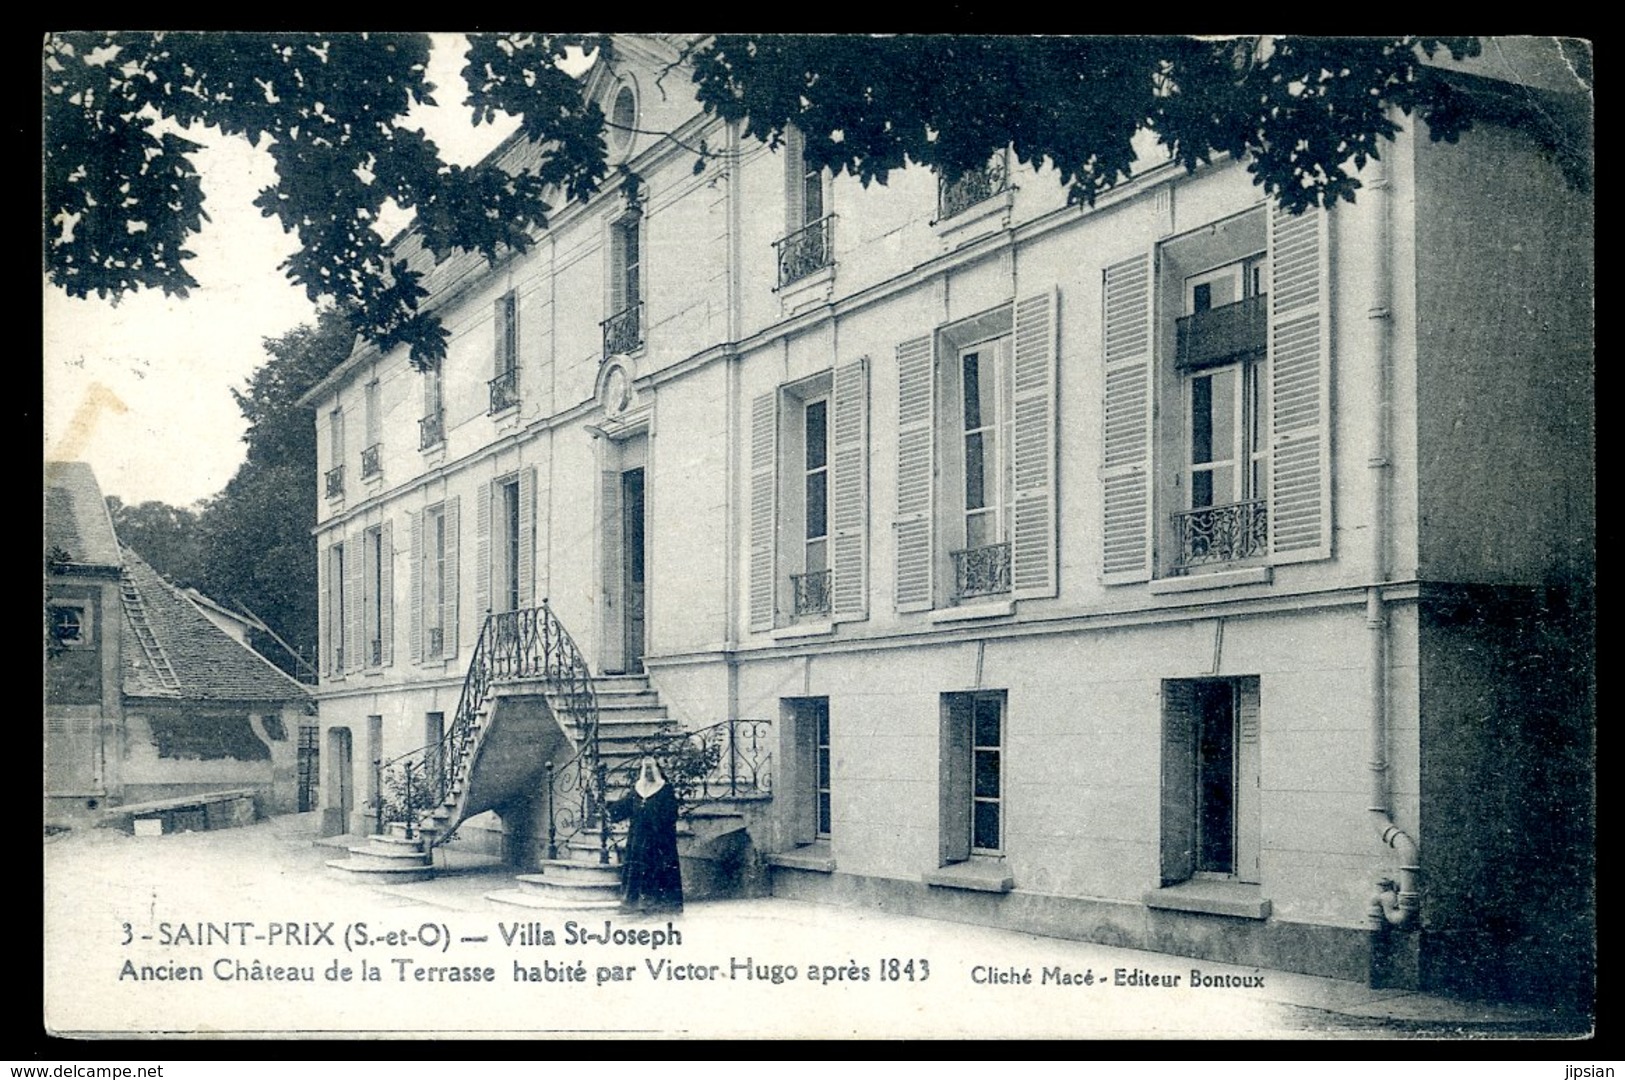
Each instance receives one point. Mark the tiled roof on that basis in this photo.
(202, 660)
(76, 518)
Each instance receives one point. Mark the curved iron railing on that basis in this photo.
(531, 644)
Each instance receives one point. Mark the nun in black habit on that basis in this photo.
(652, 880)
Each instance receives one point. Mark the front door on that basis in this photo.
(340, 785)
(632, 567)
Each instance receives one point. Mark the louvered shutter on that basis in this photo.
(414, 577)
(527, 537)
(482, 551)
(764, 439)
(369, 596)
(1300, 510)
(386, 590)
(1033, 535)
(916, 413)
(1126, 455)
(1248, 763)
(452, 608)
(611, 516)
(507, 334)
(353, 645)
(850, 490)
(324, 637)
(954, 771)
(1178, 781)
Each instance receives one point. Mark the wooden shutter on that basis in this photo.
(804, 810)
(386, 590)
(324, 637)
(1248, 775)
(612, 521)
(482, 550)
(954, 792)
(527, 537)
(1178, 781)
(1033, 534)
(414, 588)
(370, 597)
(1126, 456)
(449, 614)
(916, 434)
(1300, 510)
(507, 334)
(850, 490)
(764, 450)
(353, 645)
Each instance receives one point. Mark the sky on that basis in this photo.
(141, 389)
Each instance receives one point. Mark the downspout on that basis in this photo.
(1393, 905)
(730, 441)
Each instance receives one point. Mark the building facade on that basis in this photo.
(1168, 572)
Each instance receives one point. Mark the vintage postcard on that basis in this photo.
(704, 536)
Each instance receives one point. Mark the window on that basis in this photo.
(504, 385)
(377, 596)
(432, 426)
(433, 557)
(70, 624)
(334, 601)
(972, 775)
(808, 245)
(623, 330)
(622, 121)
(809, 500)
(1210, 782)
(371, 463)
(504, 526)
(976, 459)
(1227, 339)
(335, 453)
(811, 811)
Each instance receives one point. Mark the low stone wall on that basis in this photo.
(190, 813)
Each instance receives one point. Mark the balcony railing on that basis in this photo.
(1220, 534)
(808, 249)
(972, 187)
(335, 481)
(372, 460)
(812, 592)
(1222, 334)
(623, 331)
(504, 390)
(982, 571)
(432, 430)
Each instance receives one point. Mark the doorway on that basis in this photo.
(623, 523)
(340, 783)
(632, 520)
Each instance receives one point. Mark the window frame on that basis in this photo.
(337, 628)
(964, 801)
(372, 596)
(433, 577)
(84, 638)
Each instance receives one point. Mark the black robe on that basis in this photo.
(652, 880)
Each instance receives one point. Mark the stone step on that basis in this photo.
(580, 871)
(379, 874)
(545, 902)
(391, 844)
(362, 856)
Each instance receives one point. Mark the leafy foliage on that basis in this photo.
(168, 537)
(1300, 109)
(122, 196)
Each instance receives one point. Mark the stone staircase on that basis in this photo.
(388, 858)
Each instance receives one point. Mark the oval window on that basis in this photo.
(623, 117)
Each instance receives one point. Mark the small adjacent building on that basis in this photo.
(147, 699)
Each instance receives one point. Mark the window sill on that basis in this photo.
(815, 857)
(975, 875)
(435, 454)
(1230, 898)
(983, 610)
(806, 629)
(1216, 579)
(807, 292)
(976, 218)
(373, 481)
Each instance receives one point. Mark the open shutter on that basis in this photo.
(451, 610)
(527, 537)
(764, 438)
(1247, 782)
(1178, 781)
(370, 597)
(354, 647)
(850, 490)
(916, 412)
(386, 590)
(482, 551)
(507, 334)
(954, 795)
(324, 639)
(1126, 456)
(1300, 511)
(414, 594)
(1032, 534)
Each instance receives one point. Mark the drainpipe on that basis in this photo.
(1396, 905)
